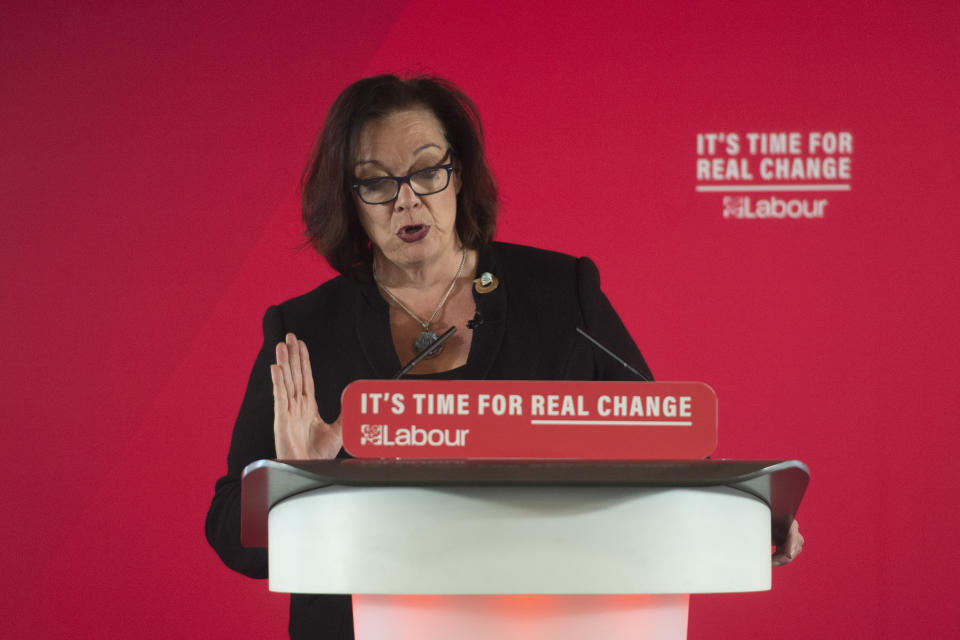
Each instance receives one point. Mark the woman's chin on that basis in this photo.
(405, 253)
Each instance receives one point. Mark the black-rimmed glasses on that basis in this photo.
(424, 182)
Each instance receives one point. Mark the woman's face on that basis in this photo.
(412, 230)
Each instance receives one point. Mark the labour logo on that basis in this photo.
(371, 434)
(734, 206)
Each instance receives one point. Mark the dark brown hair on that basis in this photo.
(329, 213)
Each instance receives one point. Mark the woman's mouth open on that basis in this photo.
(413, 232)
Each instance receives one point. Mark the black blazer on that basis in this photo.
(526, 331)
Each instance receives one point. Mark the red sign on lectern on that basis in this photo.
(529, 419)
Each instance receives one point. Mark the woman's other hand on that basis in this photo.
(790, 548)
(298, 430)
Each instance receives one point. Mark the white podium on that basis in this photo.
(525, 549)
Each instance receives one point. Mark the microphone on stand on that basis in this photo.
(423, 354)
(613, 355)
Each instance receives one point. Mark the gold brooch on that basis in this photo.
(486, 283)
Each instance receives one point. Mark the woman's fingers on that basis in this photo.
(306, 371)
(294, 363)
(279, 389)
(790, 548)
(293, 354)
(283, 361)
(795, 540)
(281, 407)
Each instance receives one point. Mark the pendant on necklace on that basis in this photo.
(424, 340)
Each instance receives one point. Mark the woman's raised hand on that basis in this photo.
(298, 430)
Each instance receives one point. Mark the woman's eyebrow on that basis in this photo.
(415, 152)
(427, 146)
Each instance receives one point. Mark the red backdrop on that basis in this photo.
(149, 160)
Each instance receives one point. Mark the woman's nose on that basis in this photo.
(406, 198)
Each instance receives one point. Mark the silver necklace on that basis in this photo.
(426, 337)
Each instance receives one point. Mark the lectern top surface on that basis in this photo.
(779, 483)
(385, 472)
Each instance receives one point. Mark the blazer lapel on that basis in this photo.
(373, 329)
(492, 307)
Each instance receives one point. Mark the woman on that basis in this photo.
(398, 198)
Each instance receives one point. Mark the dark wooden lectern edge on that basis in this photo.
(779, 483)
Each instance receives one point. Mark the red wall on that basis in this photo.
(149, 161)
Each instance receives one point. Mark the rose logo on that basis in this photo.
(734, 206)
(371, 434)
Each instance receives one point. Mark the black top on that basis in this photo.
(526, 331)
